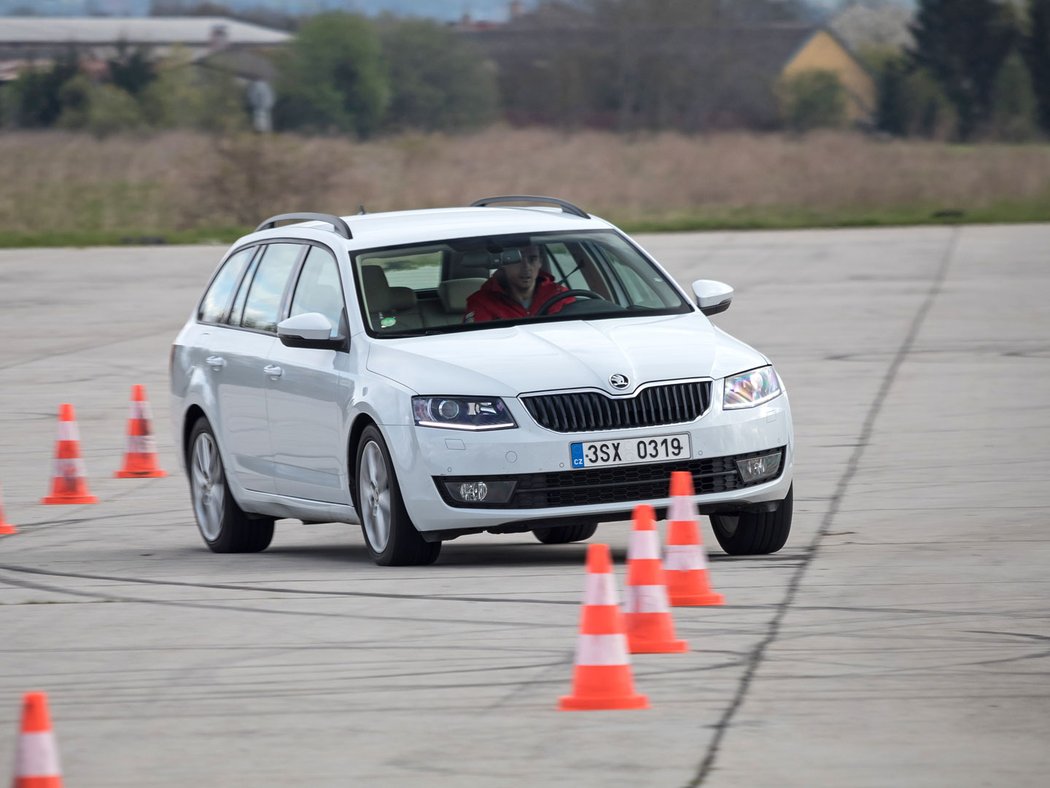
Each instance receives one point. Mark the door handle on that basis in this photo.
(273, 371)
(215, 362)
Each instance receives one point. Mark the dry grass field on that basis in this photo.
(67, 188)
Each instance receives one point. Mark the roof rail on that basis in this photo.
(338, 224)
(566, 206)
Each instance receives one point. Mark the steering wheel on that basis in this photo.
(558, 297)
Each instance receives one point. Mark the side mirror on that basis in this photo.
(712, 297)
(309, 330)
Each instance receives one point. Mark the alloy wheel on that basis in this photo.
(209, 486)
(374, 490)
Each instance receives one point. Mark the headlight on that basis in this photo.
(751, 388)
(462, 413)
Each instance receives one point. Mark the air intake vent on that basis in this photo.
(589, 411)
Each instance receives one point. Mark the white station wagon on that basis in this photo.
(334, 372)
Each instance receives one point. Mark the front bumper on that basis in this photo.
(542, 458)
(615, 483)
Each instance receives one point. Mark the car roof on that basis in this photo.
(433, 224)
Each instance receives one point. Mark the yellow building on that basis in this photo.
(823, 51)
(570, 67)
(736, 70)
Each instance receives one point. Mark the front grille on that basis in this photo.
(589, 411)
(616, 484)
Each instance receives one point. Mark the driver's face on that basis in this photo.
(521, 277)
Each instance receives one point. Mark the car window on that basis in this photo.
(242, 293)
(395, 284)
(621, 282)
(618, 282)
(641, 284)
(318, 288)
(564, 267)
(263, 304)
(213, 305)
(419, 270)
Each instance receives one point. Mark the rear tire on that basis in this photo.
(754, 533)
(390, 536)
(563, 534)
(224, 526)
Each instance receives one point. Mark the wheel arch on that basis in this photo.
(193, 414)
(362, 422)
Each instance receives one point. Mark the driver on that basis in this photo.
(516, 289)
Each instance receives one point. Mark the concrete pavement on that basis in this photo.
(900, 638)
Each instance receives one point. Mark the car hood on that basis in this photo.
(514, 360)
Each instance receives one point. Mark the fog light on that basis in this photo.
(754, 469)
(477, 491)
(473, 492)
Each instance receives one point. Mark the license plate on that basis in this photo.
(630, 451)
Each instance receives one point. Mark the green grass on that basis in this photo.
(797, 218)
(137, 237)
(771, 218)
(64, 189)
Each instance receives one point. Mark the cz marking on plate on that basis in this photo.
(630, 451)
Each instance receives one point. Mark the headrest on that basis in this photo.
(402, 298)
(453, 292)
(377, 290)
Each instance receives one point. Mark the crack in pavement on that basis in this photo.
(273, 589)
(758, 654)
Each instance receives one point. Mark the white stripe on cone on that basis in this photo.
(37, 756)
(684, 557)
(643, 544)
(69, 467)
(682, 508)
(140, 410)
(600, 589)
(141, 444)
(647, 599)
(602, 650)
(67, 431)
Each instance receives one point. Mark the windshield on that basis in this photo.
(469, 284)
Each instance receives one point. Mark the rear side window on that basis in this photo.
(271, 276)
(242, 293)
(217, 299)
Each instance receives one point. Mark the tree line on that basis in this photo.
(975, 69)
(341, 73)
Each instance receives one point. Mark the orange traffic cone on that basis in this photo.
(650, 627)
(602, 676)
(140, 459)
(5, 527)
(685, 562)
(36, 760)
(68, 485)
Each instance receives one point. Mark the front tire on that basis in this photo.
(224, 526)
(390, 536)
(563, 534)
(754, 533)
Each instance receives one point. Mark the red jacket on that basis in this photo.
(493, 302)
